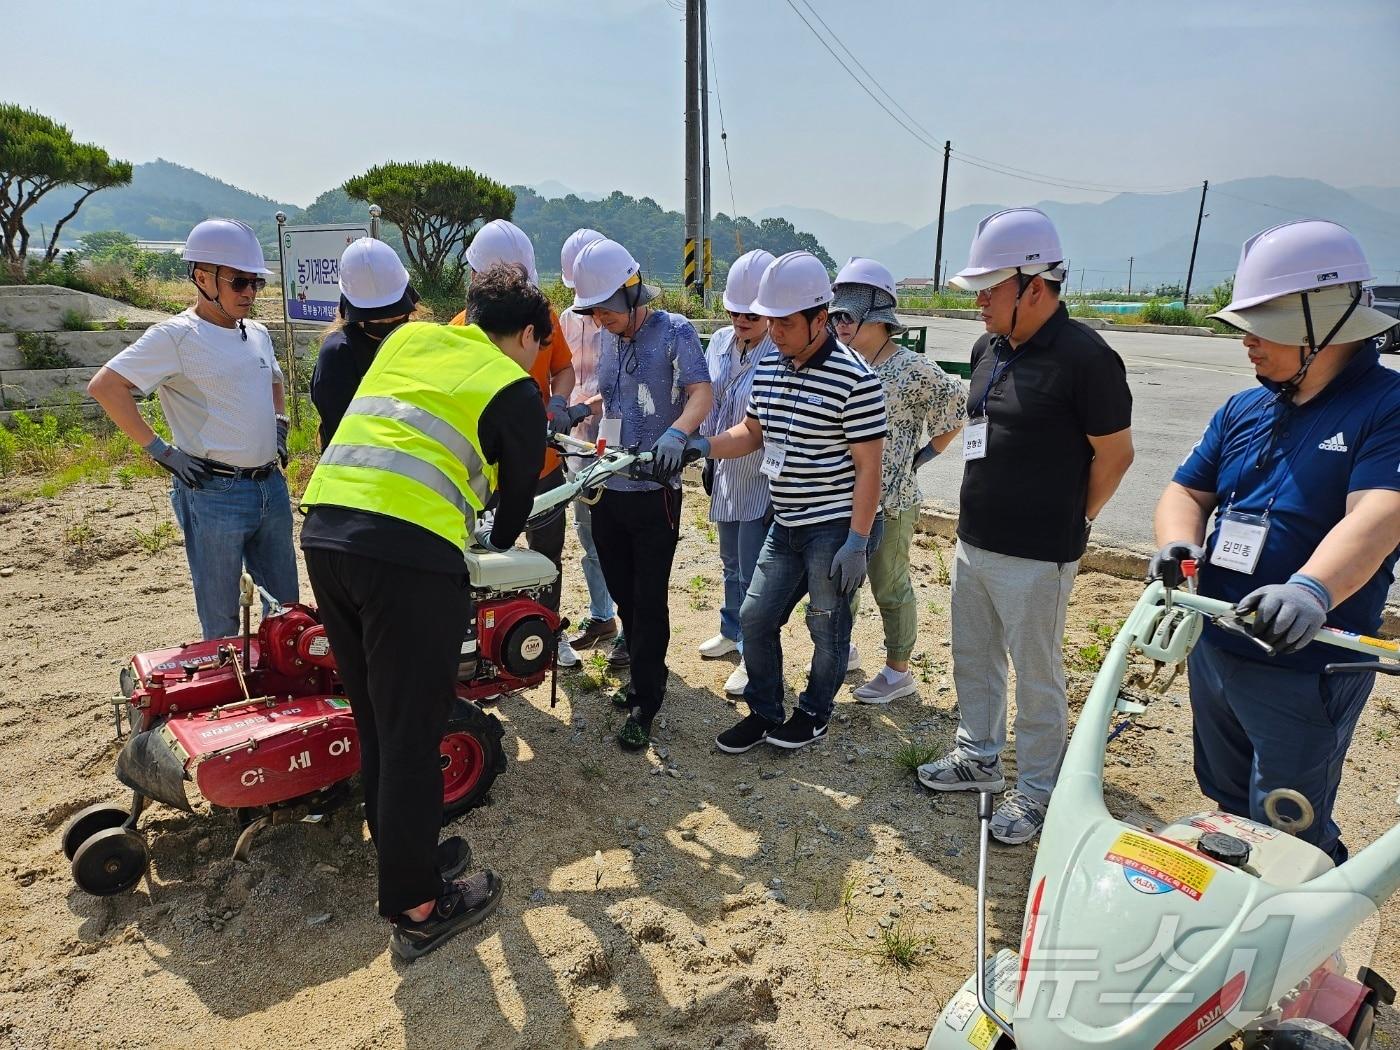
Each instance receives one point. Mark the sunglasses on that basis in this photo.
(586, 311)
(842, 317)
(242, 284)
(751, 318)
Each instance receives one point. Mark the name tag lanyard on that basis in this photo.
(775, 448)
(610, 427)
(975, 432)
(1241, 536)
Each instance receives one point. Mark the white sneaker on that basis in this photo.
(880, 690)
(852, 660)
(718, 646)
(737, 682)
(566, 656)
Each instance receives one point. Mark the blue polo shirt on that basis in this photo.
(1300, 462)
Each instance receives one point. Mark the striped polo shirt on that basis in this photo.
(816, 413)
(739, 492)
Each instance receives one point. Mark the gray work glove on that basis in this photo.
(570, 419)
(481, 535)
(1287, 615)
(924, 455)
(1173, 554)
(556, 410)
(668, 455)
(179, 463)
(282, 426)
(848, 567)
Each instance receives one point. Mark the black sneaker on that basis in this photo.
(622, 697)
(592, 631)
(454, 856)
(747, 735)
(463, 904)
(635, 733)
(798, 731)
(619, 656)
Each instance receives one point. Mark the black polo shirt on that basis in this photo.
(1026, 498)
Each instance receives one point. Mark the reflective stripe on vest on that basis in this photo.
(397, 463)
(441, 432)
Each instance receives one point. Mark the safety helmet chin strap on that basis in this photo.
(1307, 354)
(238, 321)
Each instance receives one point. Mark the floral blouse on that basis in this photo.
(917, 394)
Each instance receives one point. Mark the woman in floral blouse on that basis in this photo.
(919, 397)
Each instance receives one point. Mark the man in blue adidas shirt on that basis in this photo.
(1303, 477)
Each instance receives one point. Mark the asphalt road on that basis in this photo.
(1178, 382)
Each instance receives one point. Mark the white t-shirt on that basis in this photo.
(215, 387)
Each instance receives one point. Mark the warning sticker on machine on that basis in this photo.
(1152, 867)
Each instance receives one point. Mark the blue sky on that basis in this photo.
(288, 98)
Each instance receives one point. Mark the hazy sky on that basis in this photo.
(289, 99)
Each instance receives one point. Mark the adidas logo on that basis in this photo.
(1336, 443)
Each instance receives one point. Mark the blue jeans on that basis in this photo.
(230, 523)
(1257, 728)
(600, 603)
(797, 561)
(739, 544)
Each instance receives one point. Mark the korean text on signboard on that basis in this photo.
(311, 269)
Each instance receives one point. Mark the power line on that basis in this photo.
(1037, 176)
(723, 134)
(863, 86)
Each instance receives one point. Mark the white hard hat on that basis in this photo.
(225, 242)
(1297, 257)
(1017, 239)
(741, 284)
(373, 282)
(792, 283)
(867, 271)
(501, 241)
(601, 268)
(572, 247)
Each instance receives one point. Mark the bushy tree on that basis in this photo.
(38, 155)
(437, 207)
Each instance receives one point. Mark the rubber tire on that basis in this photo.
(1363, 1029)
(87, 822)
(110, 862)
(473, 758)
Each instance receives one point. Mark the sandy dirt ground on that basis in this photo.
(676, 898)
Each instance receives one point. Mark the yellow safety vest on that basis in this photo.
(408, 446)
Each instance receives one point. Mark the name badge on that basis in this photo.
(975, 439)
(1239, 542)
(610, 431)
(774, 456)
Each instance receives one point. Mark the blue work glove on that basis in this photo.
(848, 567)
(1287, 615)
(282, 427)
(924, 455)
(668, 455)
(179, 463)
(1168, 560)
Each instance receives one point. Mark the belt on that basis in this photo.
(227, 470)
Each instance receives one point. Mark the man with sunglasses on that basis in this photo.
(222, 393)
(653, 393)
(1046, 442)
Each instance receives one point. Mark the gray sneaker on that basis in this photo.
(956, 771)
(1018, 819)
(880, 690)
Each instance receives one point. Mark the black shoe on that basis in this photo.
(621, 697)
(593, 631)
(619, 656)
(798, 731)
(454, 856)
(745, 736)
(635, 733)
(463, 904)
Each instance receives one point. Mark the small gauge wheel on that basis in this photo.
(110, 862)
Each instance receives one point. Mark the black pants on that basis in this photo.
(397, 637)
(548, 539)
(636, 535)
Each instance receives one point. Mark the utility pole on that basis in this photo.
(1191, 269)
(705, 258)
(689, 275)
(942, 204)
(1130, 275)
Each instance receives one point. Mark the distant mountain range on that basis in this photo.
(1154, 229)
(165, 199)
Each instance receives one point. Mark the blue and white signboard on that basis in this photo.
(311, 269)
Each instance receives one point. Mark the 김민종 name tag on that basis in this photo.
(774, 456)
(975, 439)
(1240, 540)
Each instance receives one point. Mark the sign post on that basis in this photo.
(310, 260)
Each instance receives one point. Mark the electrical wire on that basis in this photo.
(723, 136)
